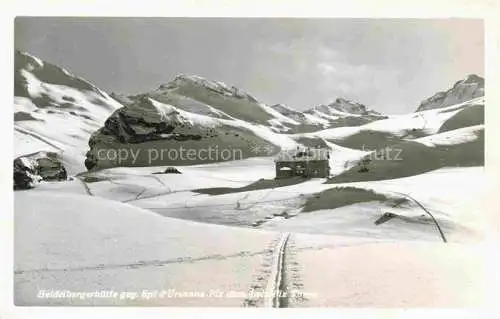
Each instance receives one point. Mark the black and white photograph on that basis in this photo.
(280, 162)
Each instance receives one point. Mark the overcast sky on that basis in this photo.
(388, 65)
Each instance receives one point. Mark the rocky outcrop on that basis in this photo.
(32, 168)
(24, 174)
(150, 133)
(121, 98)
(462, 91)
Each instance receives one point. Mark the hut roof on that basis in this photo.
(313, 154)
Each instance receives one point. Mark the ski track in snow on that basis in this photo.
(276, 282)
(267, 292)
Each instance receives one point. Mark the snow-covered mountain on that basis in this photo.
(342, 107)
(58, 111)
(55, 110)
(341, 112)
(191, 111)
(198, 95)
(464, 90)
(295, 115)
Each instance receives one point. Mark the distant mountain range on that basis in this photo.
(342, 107)
(57, 111)
(216, 99)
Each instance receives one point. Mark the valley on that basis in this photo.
(225, 227)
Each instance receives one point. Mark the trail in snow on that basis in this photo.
(87, 189)
(220, 205)
(252, 204)
(443, 237)
(148, 263)
(137, 196)
(157, 179)
(270, 282)
(277, 281)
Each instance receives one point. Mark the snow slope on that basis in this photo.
(455, 200)
(456, 207)
(453, 137)
(196, 94)
(392, 275)
(111, 228)
(105, 245)
(136, 258)
(54, 109)
(426, 122)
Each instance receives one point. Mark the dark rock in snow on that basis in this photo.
(24, 174)
(169, 170)
(32, 168)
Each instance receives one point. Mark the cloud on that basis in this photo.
(328, 72)
(362, 82)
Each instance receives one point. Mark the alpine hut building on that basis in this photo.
(307, 163)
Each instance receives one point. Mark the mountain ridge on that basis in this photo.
(463, 90)
(343, 105)
(58, 111)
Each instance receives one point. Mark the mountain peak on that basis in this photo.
(343, 100)
(474, 78)
(463, 90)
(189, 82)
(343, 105)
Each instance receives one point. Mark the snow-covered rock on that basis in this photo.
(290, 112)
(25, 175)
(32, 168)
(462, 91)
(121, 98)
